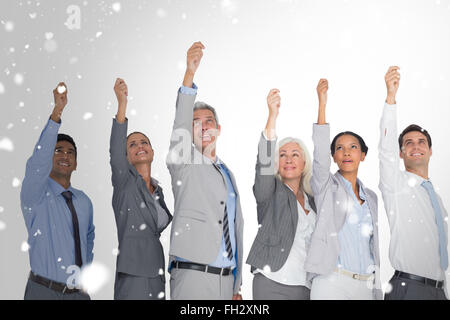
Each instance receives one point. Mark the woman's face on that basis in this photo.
(139, 149)
(291, 161)
(348, 154)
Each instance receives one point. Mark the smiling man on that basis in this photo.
(416, 214)
(206, 238)
(58, 217)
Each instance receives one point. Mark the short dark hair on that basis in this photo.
(139, 133)
(414, 127)
(66, 137)
(364, 147)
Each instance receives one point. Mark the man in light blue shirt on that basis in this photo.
(58, 217)
(206, 251)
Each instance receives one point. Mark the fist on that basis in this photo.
(60, 95)
(392, 79)
(194, 56)
(121, 90)
(274, 101)
(322, 89)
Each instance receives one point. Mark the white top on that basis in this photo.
(292, 272)
(414, 246)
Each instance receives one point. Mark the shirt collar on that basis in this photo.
(414, 179)
(58, 189)
(349, 187)
(305, 196)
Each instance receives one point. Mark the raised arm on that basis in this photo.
(40, 164)
(264, 186)
(181, 139)
(388, 149)
(321, 139)
(118, 140)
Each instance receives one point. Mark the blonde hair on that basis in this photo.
(307, 170)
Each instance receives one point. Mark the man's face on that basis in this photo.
(205, 130)
(348, 153)
(291, 161)
(139, 149)
(415, 151)
(64, 159)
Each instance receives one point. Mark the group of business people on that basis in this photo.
(318, 231)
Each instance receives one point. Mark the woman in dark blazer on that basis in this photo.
(139, 208)
(286, 214)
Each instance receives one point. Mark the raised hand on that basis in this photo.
(274, 103)
(60, 97)
(121, 91)
(322, 90)
(194, 56)
(392, 79)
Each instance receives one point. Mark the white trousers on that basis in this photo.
(337, 286)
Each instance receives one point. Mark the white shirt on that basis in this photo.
(414, 246)
(292, 272)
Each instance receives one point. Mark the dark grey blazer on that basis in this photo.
(140, 251)
(277, 212)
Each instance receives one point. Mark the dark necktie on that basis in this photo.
(76, 230)
(226, 235)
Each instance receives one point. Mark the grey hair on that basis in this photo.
(307, 170)
(199, 105)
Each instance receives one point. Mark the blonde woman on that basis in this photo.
(286, 214)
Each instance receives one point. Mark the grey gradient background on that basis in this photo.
(251, 47)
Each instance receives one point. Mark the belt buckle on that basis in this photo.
(437, 284)
(221, 271)
(355, 276)
(206, 268)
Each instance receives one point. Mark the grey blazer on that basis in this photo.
(277, 212)
(200, 194)
(332, 212)
(140, 251)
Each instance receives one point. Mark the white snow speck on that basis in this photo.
(32, 15)
(133, 112)
(6, 144)
(161, 13)
(179, 183)
(366, 230)
(16, 182)
(10, 126)
(79, 76)
(391, 212)
(9, 26)
(2, 225)
(183, 16)
(161, 295)
(161, 272)
(61, 89)
(93, 277)
(21, 104)
(49, 35)
(2, 88)
(387, 287)
(115, 252)
(259, 226)
(38, 232)
(403, 284)
(2, 209)
(143, 205)
(25, 246)
(63, 267)
(87, 116)
(98, 34)
(412, 182)
(267, 269)
(59, 259)
(176, 233)
(116, 6)
(142, 227)
(18, 79)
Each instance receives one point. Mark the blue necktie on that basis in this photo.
(440, 223)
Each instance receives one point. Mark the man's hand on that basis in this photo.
(121, 91)
(322, 89)
(392, 79)
(194, 56)
(60, 96)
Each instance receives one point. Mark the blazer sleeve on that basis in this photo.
(264, 186)
(118, 153)
(322, 161)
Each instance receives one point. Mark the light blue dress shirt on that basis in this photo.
(47, 216)
(356, 234)
(222, 261)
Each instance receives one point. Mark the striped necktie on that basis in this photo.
(439, 222)
(226, 235)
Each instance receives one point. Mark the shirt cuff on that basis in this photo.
(265, 137)
(190, 91)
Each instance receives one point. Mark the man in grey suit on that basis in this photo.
(206, 251)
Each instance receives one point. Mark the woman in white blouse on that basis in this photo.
(286, 214)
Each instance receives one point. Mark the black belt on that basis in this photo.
(55, 286)
(426, 281)
(201, 267)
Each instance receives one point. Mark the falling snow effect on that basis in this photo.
(87, 116)
(2, 225)
(16, 182)
(18, 79)
(6, 144)
(93, 277)
(2, 88)
(25, 246)
(61, 89)
(161, 295)
(117, 7)
(115, 252)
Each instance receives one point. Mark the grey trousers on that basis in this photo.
(197, 285)
(130, 287)
(36, 291)
(406, 289)
(266, 289)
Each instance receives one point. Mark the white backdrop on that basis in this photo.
(251, 47)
